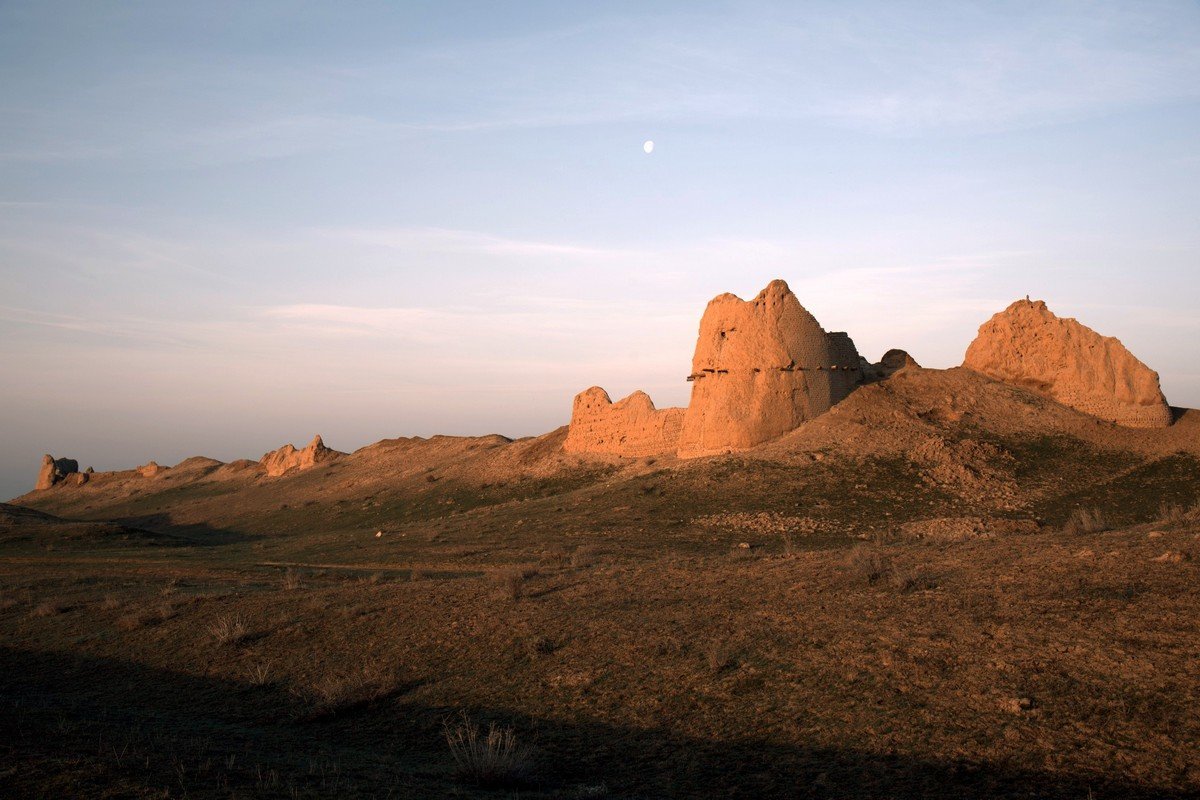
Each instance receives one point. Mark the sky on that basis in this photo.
(225, 226)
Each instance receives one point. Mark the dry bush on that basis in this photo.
(1170, 513)
(138, 619)
(494, 759)
(868, 563)
(719, 656)
(50, 608)
(555, 556)
(538, 646)
(229, 629)
(7, 602)
(166, 611)
(585, 556)
(292, 580)
(511, 581)
(912, 579)
(417, 574)
(170, 587)
(110, 602)
(260, 674)
(1086, 520)
(337, 692)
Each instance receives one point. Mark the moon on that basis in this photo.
(648, 146)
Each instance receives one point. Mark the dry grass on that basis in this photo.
(912, 579)
(259, 674)
(868, 563)
(719, 656)
(50, 608)
(1086, 520)
(110, 602)
(556, 556)
(1171, 513)
(229, 630)
(137, 619)
(7, 602)
(585, 556)
(511, 581)
(492, 760)
(292, 580)
(335, 693)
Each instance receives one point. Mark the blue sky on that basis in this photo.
(224, 226)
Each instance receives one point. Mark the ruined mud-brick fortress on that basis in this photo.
(765, 366)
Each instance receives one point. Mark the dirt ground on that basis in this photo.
(902, 598)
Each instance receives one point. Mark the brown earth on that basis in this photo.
(903, 597)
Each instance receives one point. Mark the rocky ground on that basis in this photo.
(944, 587)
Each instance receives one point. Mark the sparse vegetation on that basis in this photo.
(229, 630)
(1085, 520)
(584, 556)
(338, 691)
(495, 759)
(110, 602)
(49, 608)
(719, 655)
(511, 581)
(292, 580)
(867, 562)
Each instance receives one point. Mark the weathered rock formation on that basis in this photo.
(54, 470)
(1029, 346)
(288, 457)
(761, 368)
(629, 427)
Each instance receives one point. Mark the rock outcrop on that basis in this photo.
(629, 427)
(54, 470)
(761, 368)
(287, 458)
(1029, 346)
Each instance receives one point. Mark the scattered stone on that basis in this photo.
(1027, 345)
(1085, 553)
(1171, 557)
(1154, 535)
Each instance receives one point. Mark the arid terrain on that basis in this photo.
(944, 587)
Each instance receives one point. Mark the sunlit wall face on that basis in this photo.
(224, 228)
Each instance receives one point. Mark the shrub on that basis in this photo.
(1086, 520)
(337, 692)
(7, 602)
(292, 580)
(719, 656)
(49, 608)
(556, 556)
(229, 630)
(1169, 512)
(913, 579)
(260, 674)
(494, 759)
(511, 581)
(868, 563)
(138, 619)
(110, 602)
(584, 556)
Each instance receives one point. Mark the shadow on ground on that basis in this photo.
(86, 727)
